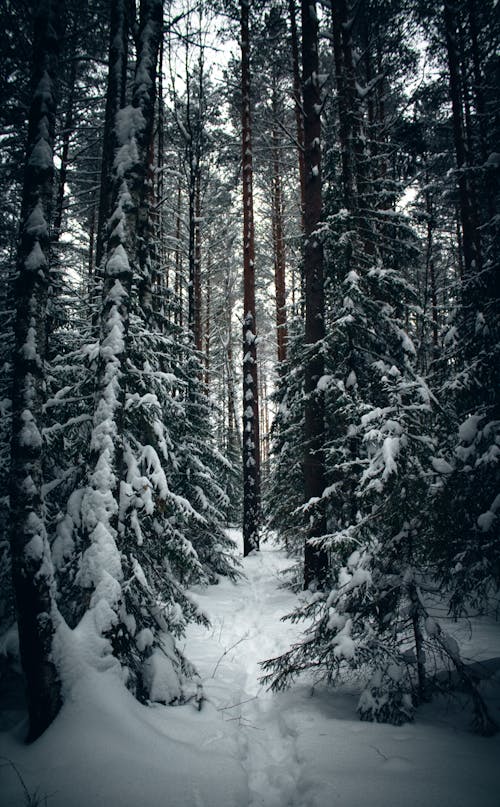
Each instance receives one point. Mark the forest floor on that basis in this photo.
(247, 747)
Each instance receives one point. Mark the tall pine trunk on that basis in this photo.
(251, 446)
(178, 258)
(345, 117)
(32, 570)
(315, 559)
(279, 244)
(115, 100)
(297, 95)
(198, 330)
(470, 235)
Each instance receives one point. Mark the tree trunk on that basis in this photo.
(54, 316)
(63, 171)
(339, 20)
(279, 246)
(91, 259)
(178, 260)
(164, 280)
(32, 570)
(234, 436)
(430, 264)
(315, 559)
(264, 421)
(470, 234)
(297, 95)
(198, 335)
(191, 239)
(251, 446)
(115, 100)
(208, 325)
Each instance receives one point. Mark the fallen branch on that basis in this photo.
(228, 650)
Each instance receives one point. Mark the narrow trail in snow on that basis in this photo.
(247, 747)
(268, 745)
(293, 750)
(246, 630)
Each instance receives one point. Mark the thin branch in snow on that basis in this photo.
(228, 650)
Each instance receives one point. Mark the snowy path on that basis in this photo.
(246, 628)
(303, 751)
(247, 747)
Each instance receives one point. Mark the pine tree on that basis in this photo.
(32, 570)
(468, 558)
(139, 517)
(121, 510)
(380, 447)
(374, 620)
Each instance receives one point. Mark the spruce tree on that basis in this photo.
(32, 571)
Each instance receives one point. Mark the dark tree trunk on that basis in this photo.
(431, 268)
(191, 240)
(315, 559)
(63, 171)
(279, 247)
(54, 315)
(32, 574)
(233, 431)
(163, 280)
(264, 421)
(194, 297)
(478, 82)
(251, 446)
(142, 187)
(297, 95)
(470, 235)
(178, 260)
(92, 226)
(115, 100)
(198, 336)
(339, 20)
(208, 325)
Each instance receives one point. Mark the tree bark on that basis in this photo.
(430, 263)
(115, 100)
(315, 559)
(164, 280)
(471, 238)
(141, 186)
(198, 335)
(339, 20)
(178, 260)
(251, 445)
(233, 432)
(279, 248)
(32, 570)
(208, 325)
(297, 95)
(63, 171)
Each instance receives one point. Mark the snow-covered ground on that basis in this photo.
(248, 747)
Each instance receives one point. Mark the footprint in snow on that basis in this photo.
(398, 764)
